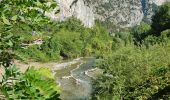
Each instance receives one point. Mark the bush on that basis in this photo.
(33, 53)
(70, 43)
(132, 72)
(166, 33)
(51, 47)
(100, 42)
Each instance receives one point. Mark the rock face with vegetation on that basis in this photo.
(135, 63)
(124, 13)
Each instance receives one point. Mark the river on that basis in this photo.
(73, 76)
(74, 83)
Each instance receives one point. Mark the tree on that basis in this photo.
(15, 12)
(161, 19)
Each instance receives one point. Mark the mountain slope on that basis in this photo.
(124, 13)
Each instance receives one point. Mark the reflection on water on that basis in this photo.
(75, 85)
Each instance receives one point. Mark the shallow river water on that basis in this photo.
(74, 83)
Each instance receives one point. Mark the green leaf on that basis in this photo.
(22, 18)
(5, 20)
(10, 43)
(9, 36)
(14, 18)
(53, 5)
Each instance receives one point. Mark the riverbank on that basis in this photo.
(73, 76)
(53, 66)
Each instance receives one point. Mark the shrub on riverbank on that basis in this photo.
(135, 73)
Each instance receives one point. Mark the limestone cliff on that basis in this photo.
(124, 13)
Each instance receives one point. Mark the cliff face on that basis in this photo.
(124, 13)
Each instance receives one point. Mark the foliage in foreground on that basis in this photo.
(28, 12)
(33, 84)
(138, 73)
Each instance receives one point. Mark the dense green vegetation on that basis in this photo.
(139, 69)
(135, 63)
(28, 13)
(61, 40)
(69, 39)
(33, 84)
(134, 73)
